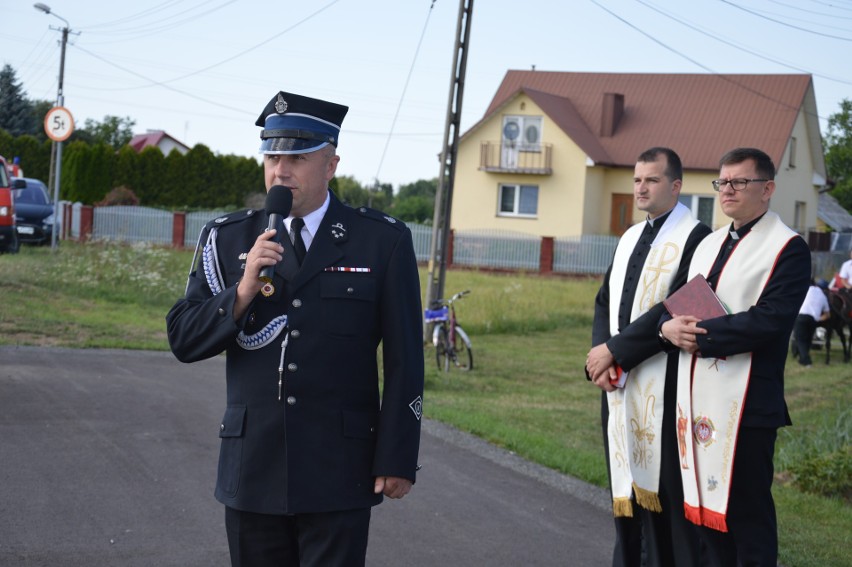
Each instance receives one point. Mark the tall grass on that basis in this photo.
(527, 392)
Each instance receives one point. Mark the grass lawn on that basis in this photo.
(527, 392)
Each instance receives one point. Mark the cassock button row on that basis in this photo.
(292, 367)
(291, 400)
(297, 303)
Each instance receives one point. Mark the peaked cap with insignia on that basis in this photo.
(295, 124)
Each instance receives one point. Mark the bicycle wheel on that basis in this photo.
(462, 354)
(442, 350)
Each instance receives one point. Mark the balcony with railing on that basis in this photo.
(532, 159)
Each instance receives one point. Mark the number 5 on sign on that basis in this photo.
(58, 123)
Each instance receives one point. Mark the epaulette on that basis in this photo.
(231, 218)
(379, 216)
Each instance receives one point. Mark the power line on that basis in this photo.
(404, 89)
(136, 32)
(739, 47)
(693, 61)
(785, 23)
(834, 16)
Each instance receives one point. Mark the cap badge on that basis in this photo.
(390, 220)
(280, 105)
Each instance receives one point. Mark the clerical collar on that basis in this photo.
(660, 219)
(736, 234)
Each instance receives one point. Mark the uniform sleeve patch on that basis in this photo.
(416, 406)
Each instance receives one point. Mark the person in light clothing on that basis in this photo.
(815, 308)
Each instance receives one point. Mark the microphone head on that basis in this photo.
(279, 200)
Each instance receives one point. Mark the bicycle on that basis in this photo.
(451, 342)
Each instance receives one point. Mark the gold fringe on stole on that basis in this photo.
(647, 499)
(622, 507)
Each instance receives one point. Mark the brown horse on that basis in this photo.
(840, 319)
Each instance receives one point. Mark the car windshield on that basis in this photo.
(32, 194)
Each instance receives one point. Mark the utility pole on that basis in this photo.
(446, 176)
(60, 102)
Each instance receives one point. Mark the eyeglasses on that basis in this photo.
(738, 184)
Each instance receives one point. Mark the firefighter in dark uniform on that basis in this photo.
(307, 447)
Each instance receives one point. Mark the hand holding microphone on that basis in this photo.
(279, 201)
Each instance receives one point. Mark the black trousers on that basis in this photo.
(650, 539)
(328, 539)
(752, 536)
(803, 334)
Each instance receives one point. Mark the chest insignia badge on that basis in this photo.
(338, 231)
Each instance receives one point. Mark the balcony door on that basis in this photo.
(520, 134)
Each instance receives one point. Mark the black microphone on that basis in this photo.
(279, 201)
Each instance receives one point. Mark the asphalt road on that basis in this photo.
(108, 458)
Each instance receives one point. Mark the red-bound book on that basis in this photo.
(695, 298)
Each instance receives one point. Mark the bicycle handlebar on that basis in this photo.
(459, 295)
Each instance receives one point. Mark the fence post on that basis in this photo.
(67, 219)
(87, 222)
(545, 260)
(179, 229)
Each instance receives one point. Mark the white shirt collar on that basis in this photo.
(312, 222)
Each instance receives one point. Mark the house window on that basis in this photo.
(518, 201)
(799, 216)
(792, 161)
(702, 207)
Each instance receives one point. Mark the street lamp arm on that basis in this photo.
(46, 9)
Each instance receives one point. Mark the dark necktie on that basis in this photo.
(296, 237)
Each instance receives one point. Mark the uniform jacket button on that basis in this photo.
(295, 334)
(222, 311)
(297, 303)
(221, 427)
(350, 290)
(292, 367)
(291, 400)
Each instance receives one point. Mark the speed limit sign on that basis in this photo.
(58, 124)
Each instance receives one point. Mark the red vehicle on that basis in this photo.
(8, 231)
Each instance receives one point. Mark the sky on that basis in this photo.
(202, 70)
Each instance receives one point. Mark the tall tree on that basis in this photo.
(16, 115)
(113, 131)
(838, 157)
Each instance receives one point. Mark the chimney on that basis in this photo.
(613, 109)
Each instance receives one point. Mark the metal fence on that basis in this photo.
(587, 254)
(133, 224)
(195, 222)
(496, 249)
(489, 249)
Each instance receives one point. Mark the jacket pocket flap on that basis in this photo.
(359, 425)
(233, 421)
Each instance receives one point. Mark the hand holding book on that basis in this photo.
(695, 298)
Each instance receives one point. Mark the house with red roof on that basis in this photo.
(554, 153)
(158, 139)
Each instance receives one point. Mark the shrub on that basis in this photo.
(827, 474)
(119, 196)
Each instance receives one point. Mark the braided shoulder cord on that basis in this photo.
(214, 280)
